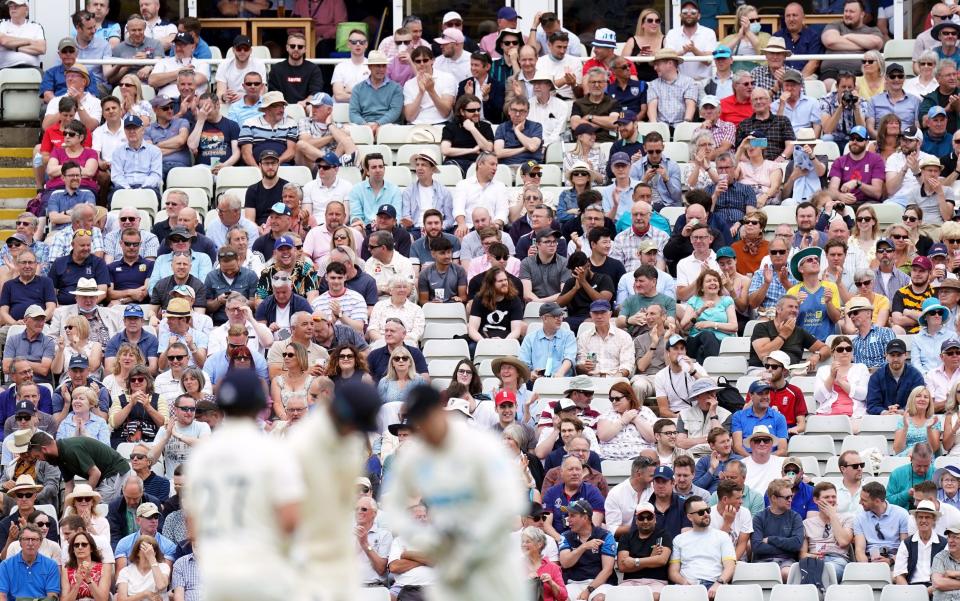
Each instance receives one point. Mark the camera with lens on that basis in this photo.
(849, 99)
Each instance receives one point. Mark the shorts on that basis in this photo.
(656, 586)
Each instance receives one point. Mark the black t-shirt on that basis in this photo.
(794, 346)
(612, 268)
(461, 138)
(216, 140)
(496, 323)
(580, 304)
(262, 199)
(582, 107)
(642, 548)
(296, 83)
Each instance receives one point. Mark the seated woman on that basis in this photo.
(713, 318)
(761, 174)
(401, 376)
(84, 502)
(398, 306)
(700, 172)
(81, 421)
(294, 381)
(841, 387)
(581, 180)
(747, 40)
(904, 250)
(627, 428)
(85, 576)
(138, 412)
(917, 424)
(146, 575)
(586, 153)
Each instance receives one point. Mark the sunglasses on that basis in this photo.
(884, 251)
(23, 418)
(543, 517)
(253, 84)
(25, 495)
(910, 218)
(535, 174)
(757, 20)
(771, 366)
(580, 174)
(131, 244)
(71, 134)
(289, 355)
(471, 110)
(777, 252)
(137, 380)
(645, 517)
(752, 222)
(651, 20)
(896, 76)
(866, 219)
(347, 356)
(357, 42)
(868, 61)
(80, 545)
(401, 359)
(422, 61)
(700, 512)
(951, 353)
(43, 524)
(187, 408)
(762, 441)
(296, 46)
(856, 466)
(614, 399)
(137, 456)
(843, 349)
(899, 237)
(176, 357)
(785, 497)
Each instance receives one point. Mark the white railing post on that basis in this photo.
(898, 20)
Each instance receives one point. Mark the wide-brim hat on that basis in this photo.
(83, 491)
(934, 307)
(522, 368)
(800, 257)
(20, 441)
(667, 54)
(951, 283)
(858, 303)
(806, 134)
(777, 45)
(87, 287)
(935, 32)
(395, 428)
(24, 483)
(579, 383)
(761, 430)
(926, 506)
(543, 76)
(504, 32)
(271, 98)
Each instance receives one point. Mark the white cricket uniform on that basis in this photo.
(330, 465)
(236, 479)
(473, 492)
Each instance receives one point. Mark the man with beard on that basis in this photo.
(702, 555)
(905, 306)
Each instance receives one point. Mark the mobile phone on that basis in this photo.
(758, 142)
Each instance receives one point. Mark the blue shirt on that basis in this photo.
(938, 147)
(127, 277)
(62, 201)
(802, 499)
(65, 273)
(17, 296)
(555, 498)
(807, 43)
(631, 97)
(140, 168)
(665, 193)
(805, 114)
(245, 282)
(892, 523)
(157, 133)
(215, 367)
(239, 111)
(624, 200)
(871, 349)
(199, 268)
(905, 109)
(531, 129)
(125, 545)
(148, 344)
(925, 348)
(746, 420)
(8, 402)
(95, 427)
(883, 390)
(955, 57)
(538, 351)
(364, 202)
(55, 80)
(17, 579)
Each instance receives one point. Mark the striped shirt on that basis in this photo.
(722, 131)
(62, 243)
(264, 136)
(870, 349)
(732, 204)
(906, 299)
(774, 291)
(626, 246)
(352, 304)
(186, 575)
(671, 97)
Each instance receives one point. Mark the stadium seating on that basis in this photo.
(874, 575)
(794, 592)
(850, 592)
(739, 592)
(904, 592)
(766, 575)
(19, 94)
(684, 593)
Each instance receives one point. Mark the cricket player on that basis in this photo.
(474, 494)
(243, 494)
(329, 448)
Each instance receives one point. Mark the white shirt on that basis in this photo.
(621, 503)
(89, 103)
(554, 68)
(759, 476)
(703, 38)
(701, 553)
(29, 30)
(458, 68)
(318, 196)
(847, 503)
(238, 484)
(172, 63)
(909, 187)
(218, 339)
(106, 141)
(350, 74)
(381, 540)
(676, 386)
(924, 561)
(139, 582)
(470, 194)
(940, 383)
(176, 451)
(949, 516)
(418, 576)
(232, 74)
(399, 266)
(444, 85)
(690, 268)
(159, 31)
(742, 523)
(554, 116)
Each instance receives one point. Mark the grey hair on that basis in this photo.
(76, 213)
(351, 254)
(641, 462)
(180, 193)
(398, 281)
(237, 228)
(928, 56)
(515, 433)
(727, 156)
(943, 65)
(236, 296)
(135, 479)
(535, 536)
(741, 74)
(597, 71)
(863, 273)
(230, 201)
(295, 187)
(921, 450)
(696, 140)
(877, 56)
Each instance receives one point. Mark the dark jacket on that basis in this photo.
(784, 534)
(267, 310)
(116, 517)
(493, 107)
(883, 391)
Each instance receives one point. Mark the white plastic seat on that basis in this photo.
(888, 214)
(191, 177)
(849, 592)
(676, 592)
(393, 134)
(904, 592)
(898, 49)
(811, 466)
(739, 592)
(455, 348)
(644, 128)
(142, 198)
(832, 467)
(360, 134)
(351, 174)
(765, 574)
(891, 463)
(671, 214)
(616, 471)
(837, 426)
(678, 152)
(237, 177)
(876, 575)
(444, 313)
(398, 175)
(382, 149)
(298, 174)
(444, 331)
(829, 575)
(814, 88)
(817, 445)
(735, 346)
(860, 442)
(554, 154)
(450, 175)
(442, 368)
(944, 461)
(828, 148)
(341, 112)
(294, 111)
(794, 592)
(748, 329)
(683, 132)
(884, 425)
(491, 348)
(378, 593)
(730, 367)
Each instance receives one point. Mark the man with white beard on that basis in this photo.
(458, 471)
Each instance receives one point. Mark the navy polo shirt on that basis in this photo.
(674, 519)
(18, 296)
(65, 274)
(124, 276)
(632, 97)
(808, 43)
(148, 344)
(245, 282)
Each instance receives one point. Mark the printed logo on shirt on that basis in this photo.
(294, 79)
(142, 267)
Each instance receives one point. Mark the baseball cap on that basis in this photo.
(546, 232)
(859, 130)
(709, 100)
(792, 461)
(552, 309)
(183, 38)
(923, 263)
(331, 159)
(566, 404)
(792, 75)
(132, 121)
(644, 507)
(675, 340)
(451, 35)
(133, 311)
(648, 246)
(936, 111)
(620, 158)
(759, 386)
(886, 241)
(147, 510)
(451, 16)
(896, 346)
(722, 51)
(25, 407)
(911, 132)
(242, 40)
(664, 472)
(536, 509)
(269, 154)
(505, 396)
(180, 231)
(283, 241)
(581, 506)
(628, 116)
(599, 306)
(184, 290)
(67, 43)
(320, 98)
(507, 14)
(78, 362)
(280, 209)
(894, 68)
(161, 100)
(780, 357)
(16, 236)
(949, 343)
(937, 250)
(226, 253)
(34, 311)
(726, 253)
(387, 209)
(529, 167)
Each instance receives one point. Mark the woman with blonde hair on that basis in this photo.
(81, 421)
(401, 376)
(295, 380)
(138, 411)
(645, 41)
(917, 424)
(397, 306)
(747, 40)
(131, 99)
(75, 340)
(84, 502)
(700, 172)
(761, 174)
(903, 249)
(872, 81)
(342, 236)
(627, 428)
(865, 233)
(586, 153)
(841, 387)
(128, 356)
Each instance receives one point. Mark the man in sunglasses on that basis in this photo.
(857, 176)
(702, 555)
(906, 303)
(643, 552)
(893, 100)
(778, 529)
(759, 412)
(890, 385)
(879, 528)
(869, 339)
(536, 516)
(848, 493)
(946, 75)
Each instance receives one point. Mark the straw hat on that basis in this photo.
(83, 491)
(24, 483)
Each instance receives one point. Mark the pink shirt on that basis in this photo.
(326, 14)
(548, 567)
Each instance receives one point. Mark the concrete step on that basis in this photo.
(17, 204)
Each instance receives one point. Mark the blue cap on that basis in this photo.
(283, 241)
(78, 362)
(726, 253)
(280, 209)
(936, 111)
(886, 241)
(508, 14)
(387, 209)
(132, 121)
(320, 99)
(759, 386)
(599, 305)
(620, 158)
(628, 116)
(859, 131)
(722, 51)
(949, 343)
(331, 159)
(938, 250)
(663, 472)
(133, 311)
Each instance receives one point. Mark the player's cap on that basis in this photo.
(357, 405)
(241, 393)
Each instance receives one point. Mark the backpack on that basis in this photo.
(811, 572)
(728, 396)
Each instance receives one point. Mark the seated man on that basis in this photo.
(376, 100)
(169, 134)
(879, 529)
(518, 140)
(22, 42)
(135, 164)
(702, 555)
(29, 574)
(778, 530)
(643, 552)
(317, 134)
(594, 569)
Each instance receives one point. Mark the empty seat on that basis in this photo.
(817, 445)
(398, 175)
(393, 134)
(766, 574)
(837, 426)
(904, 592)
(748, 329)
(885, 425)
(683, 132)
(191, 177)
(794, 592)
(491, 348)
(361, 134)
(294, 111)
(615, 471)
(671, 214)
(828, 577)
(382, 149)
(452, 348)
(377, 593)
(444, 313)
(860, 442)
(444, 331)
(876, 575)
(351, 174)
(731, 367)
(450, 175)
(850, 592)
(554, 154)
(735, 345)
(678, 152)
(811, 466)
(142, 198)
(891, 463)
(814, 88)
(676, 592)
(442, 368)
(739, 592)
(644, 128)
(628, 593)
(237, 177)
(297, 174)
(832, 467)
(341, 112)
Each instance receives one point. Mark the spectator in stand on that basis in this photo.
(544, 25)
(271, 131)
(800, 38)
(710, 468)
(87, 104)
(702, 555)
(776, 129)
(453, 60)
(428, 98)
(850, 35)
(295, 78)
(169, 134)
(214, 139)
(467, 134)
(370, 103)
(691, 38)
(738, 106)
(232, 72)
(778, 530)
(136, 45)
(890, 385)
(54, 82)
(858, 175)
(136, 165)
(248, 105)
(563, 67)
(697, 422)
(672, 96)
(760, 412)
(317, 135)
(22, 42)
(880, 527)
(164, 76)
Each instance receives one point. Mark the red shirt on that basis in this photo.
(790, 402)
(733, 111)
(593, 62)
(53, 138)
